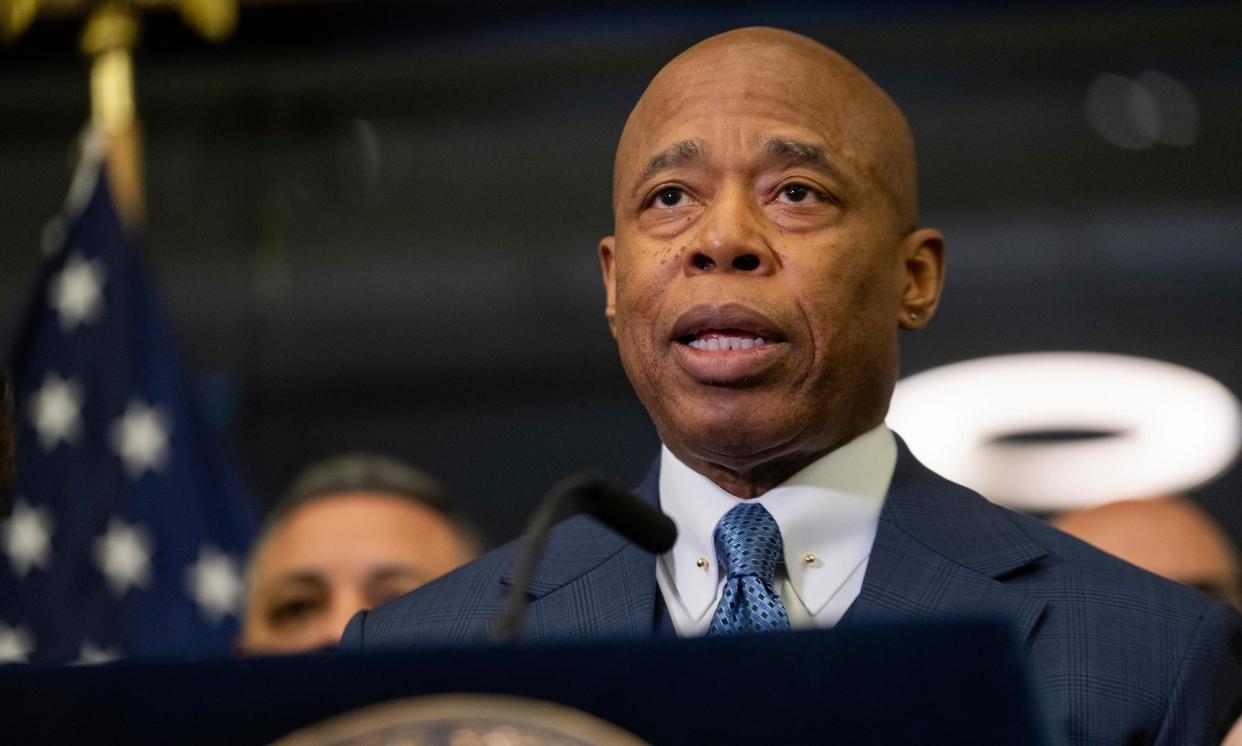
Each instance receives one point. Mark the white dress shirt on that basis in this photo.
(828, 514)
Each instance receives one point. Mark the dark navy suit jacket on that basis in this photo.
(1119, 656)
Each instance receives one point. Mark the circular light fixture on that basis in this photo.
(1057, 430)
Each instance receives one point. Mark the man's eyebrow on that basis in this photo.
(676, 154)
(295, 579)
(801, 152)
(395, 572)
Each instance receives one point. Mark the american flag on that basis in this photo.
(128, 525)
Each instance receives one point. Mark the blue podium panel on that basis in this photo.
(903, 684)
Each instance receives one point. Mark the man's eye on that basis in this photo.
(797, 192)
(292, 612)
(671, 197)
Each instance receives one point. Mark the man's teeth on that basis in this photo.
(717, 344)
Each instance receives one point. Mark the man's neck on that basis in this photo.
(752, 483)
(748, 480)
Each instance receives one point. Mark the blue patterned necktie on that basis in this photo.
(748, 546)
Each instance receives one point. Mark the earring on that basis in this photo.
(914, 316)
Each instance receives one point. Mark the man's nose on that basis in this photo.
(343, 609)
(732, 237)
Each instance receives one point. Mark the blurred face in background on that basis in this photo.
(338, 555)
(1171, 537)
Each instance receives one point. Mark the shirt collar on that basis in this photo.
(829, 509)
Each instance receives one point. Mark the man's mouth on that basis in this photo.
(725, 328)
(723, 340)
(726, 345)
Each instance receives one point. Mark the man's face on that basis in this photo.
(335, 556)
(756, 278)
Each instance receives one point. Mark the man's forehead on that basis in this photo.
(781, 85)
(741, 67)
(717, 97)
(721, 121)
(298, 567)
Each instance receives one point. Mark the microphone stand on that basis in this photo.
(607, 502)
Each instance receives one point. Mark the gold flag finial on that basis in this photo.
(15, 17)
(109, 38)
(214, 20)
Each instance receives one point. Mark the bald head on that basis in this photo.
(1171, 537)
(866, 132)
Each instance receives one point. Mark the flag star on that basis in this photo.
(15, 644)
(91, 654)
(140, 438)
(56, 411)
(76, 292)
(26, 537)
(215, 583)
(123, 555)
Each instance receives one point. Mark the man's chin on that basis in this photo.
(726, 437)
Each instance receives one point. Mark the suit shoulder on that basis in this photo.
(454, 608)
(1179, 651)
(1076, 572)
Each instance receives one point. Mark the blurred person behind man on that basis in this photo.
(350, 533)
(1170, 536)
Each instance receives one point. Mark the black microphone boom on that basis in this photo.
(623, 512)
(603, 499)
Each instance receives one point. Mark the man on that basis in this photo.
(766, 257)
(352, 532)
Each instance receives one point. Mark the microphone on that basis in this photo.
(607, 502)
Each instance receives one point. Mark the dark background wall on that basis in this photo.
(374, 224)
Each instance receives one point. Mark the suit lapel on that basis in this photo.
(593, 583)
(942, 552)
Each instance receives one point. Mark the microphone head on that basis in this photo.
(627, 514)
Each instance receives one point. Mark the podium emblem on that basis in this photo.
(463, 720)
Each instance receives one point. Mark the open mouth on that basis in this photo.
(728, 328)
(729, 345)
(723, 340)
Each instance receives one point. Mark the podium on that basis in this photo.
(958, 683)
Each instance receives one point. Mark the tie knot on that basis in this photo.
(748, 542)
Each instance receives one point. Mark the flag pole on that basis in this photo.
(108, 39)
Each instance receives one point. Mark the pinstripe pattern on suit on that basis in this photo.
(1118, 655)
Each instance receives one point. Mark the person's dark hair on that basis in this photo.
(366, 472)
(8, 434)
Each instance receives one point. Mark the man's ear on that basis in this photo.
(923, 271)
(608, 266)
